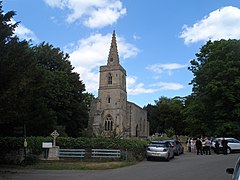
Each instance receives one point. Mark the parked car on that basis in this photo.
(235, 171)
(177, 147)
(233, 144)
(159, 150)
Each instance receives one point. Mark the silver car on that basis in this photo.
(177, 147)
(235, 171)
(159, 150)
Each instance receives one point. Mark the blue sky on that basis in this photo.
(156, 39)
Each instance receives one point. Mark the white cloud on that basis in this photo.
(93, 13)
(134, 88)
(222, 23)
(24, 33)
(90, 79)
(162, 68)
(90, 53)
(126, 50)
(163, 86)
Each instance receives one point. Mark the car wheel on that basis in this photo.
(228, 150)
(168, 157)
(148, 159)
(177, 153)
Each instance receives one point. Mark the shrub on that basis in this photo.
(134, 147)
(30, 160)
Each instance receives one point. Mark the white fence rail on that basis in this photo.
(91, 153)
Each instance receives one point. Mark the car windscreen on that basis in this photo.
(158, 145)
(233, 141)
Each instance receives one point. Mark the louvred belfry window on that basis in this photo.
(109, 78)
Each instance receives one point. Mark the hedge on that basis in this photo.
(135, 146)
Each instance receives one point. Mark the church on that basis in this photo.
(111, 115)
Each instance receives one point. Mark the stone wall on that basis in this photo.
(138, 120)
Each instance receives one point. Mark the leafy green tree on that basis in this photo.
(215, 101)
(170, 113)
(16, 63)
(6, 28)
(155, 125)
(38, 87)
(166, 115)
(193, 118)
(63, 90)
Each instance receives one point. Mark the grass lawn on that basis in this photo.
(72, 165)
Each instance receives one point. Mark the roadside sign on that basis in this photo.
(47, 144)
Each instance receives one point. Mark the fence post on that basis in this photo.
(88, 153)
(126, 154)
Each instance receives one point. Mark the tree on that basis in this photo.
(216, 88)
(6, 28)
(193, 118)
(63, 90)
(155, 125)
(38, 87)
(166, 115)
(16, 63)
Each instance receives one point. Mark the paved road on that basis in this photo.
(185, 167)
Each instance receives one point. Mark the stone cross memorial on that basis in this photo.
(53, 151)
(54, 134)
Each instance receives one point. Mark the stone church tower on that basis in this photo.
(111, 114)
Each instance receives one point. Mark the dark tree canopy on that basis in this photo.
(38, 87)
(215, 102)
(166, 115)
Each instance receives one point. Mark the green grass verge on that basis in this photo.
(76, 165)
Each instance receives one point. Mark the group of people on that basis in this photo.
(203, 145)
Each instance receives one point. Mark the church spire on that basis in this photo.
(113, 58)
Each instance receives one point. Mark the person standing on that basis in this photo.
(189, 144)
(225, 146)
(217, 147)
(192, 144)
(207, 146)
(199, 146)
(203, 146)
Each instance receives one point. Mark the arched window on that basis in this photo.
(108, 125)
(108, 99)
(109, 78)
(137, 130)
(105, 125)
(144, 121)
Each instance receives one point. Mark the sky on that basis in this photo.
(156, 39)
